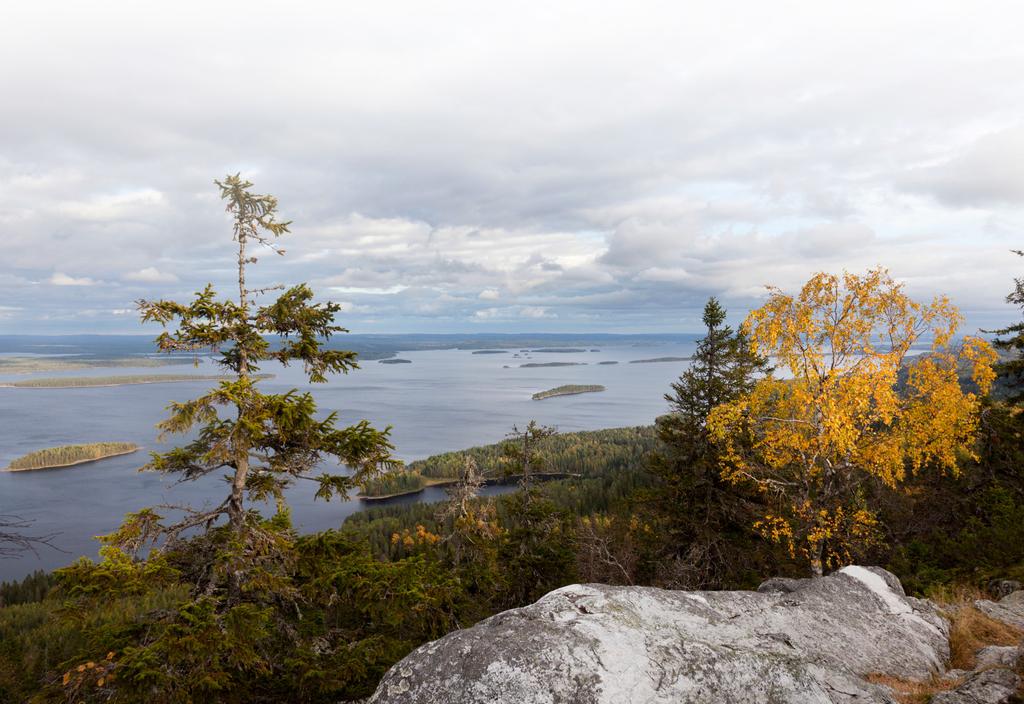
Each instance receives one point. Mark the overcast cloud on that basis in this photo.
(474, 166)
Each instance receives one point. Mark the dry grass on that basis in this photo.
(914, 691)
(970, 629)
(955, 595)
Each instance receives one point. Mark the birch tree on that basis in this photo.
(811, 443)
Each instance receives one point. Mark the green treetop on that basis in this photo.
(722, 369)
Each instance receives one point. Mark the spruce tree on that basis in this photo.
(1011, 371)
(520, 453)
(536, 555)
(699, 511)
(261, 442)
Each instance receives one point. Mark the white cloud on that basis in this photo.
(350, 307)
(151, 275)
(608, 163)
(61, 279)
(535, 312)
(987, 172)
(487, 313)
(132, 204)
(370, 291)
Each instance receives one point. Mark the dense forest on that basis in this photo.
(858, 452)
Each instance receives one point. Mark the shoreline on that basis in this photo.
(73, 464)
(494, 481)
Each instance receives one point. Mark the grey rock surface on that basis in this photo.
(997, 656)
(781, 585)
(986, 687)
(596, 644)
(1009, 609)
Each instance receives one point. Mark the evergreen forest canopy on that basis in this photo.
(857, 453)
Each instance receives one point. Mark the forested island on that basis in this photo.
(395, 360)
(70, 455)
(659, 359)
(567, 390)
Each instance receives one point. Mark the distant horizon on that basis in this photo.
(592, 333)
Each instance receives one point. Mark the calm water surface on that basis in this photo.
(445, 400)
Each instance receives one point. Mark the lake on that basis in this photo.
(444, 400)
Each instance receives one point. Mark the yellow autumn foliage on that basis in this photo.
(810, 441)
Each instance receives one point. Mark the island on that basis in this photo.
(567, 390)
(396, 360)
(551, 364)
(490, 351)
(609, 361)
(69, 455)
(660, 359)
(76, 382)
(561, 350)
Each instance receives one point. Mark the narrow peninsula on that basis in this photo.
(567, 390)
(76, 382)
(34, 365)
(69, 455)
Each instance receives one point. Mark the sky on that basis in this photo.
(527, 166)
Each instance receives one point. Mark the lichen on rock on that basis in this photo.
(797, 641)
